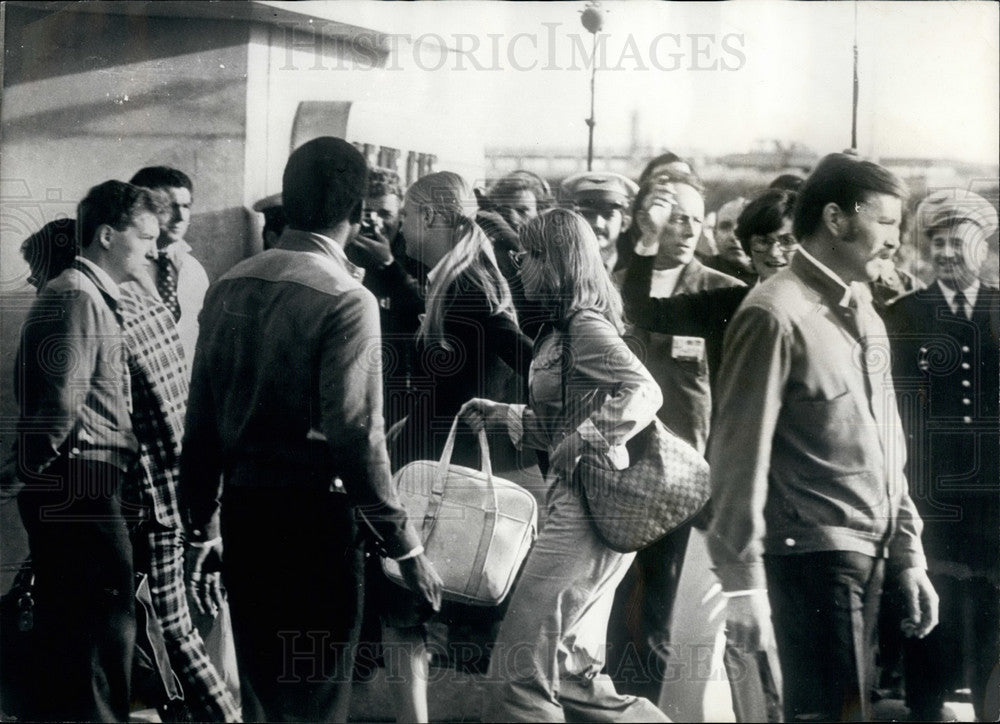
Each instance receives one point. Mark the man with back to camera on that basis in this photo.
(76, 450)
(285, 412)
(807, 454)
(945, 365)
(180, 278)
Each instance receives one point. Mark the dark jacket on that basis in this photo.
(486, 355)
(702, 314)
(680, 366)
(945, 372)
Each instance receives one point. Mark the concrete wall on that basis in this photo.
(94, 94)
(88, 97)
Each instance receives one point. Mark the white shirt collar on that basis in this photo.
(337, 250)
(175, 250)
(971, 293)
(106, 281)
(845, 300)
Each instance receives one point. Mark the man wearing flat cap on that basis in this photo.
(274, 219)
(602, 197)
(945, 365)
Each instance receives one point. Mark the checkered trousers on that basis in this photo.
(159, 400)
(205, 692)
(159, 395)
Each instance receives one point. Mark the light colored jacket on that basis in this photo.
(804, 456)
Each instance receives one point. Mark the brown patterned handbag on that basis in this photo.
(665, 485)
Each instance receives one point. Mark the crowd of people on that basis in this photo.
(235, 442)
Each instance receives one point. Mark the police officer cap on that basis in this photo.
(600, 187)
(268, 202)
(948, 206)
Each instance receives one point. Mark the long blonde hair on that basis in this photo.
(471, 256)
(571, 274)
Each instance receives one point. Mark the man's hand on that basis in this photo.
(481, 414)
(655, 212)
(748, 622)
(422, 579)
(499, 223)
(372, 250)
(204, 563)
(921, 603)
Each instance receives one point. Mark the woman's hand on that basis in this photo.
(480, 414)
(566, 455)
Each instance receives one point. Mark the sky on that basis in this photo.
(712, 77)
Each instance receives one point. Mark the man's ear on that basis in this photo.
(104, 235)
(357, 211)
(835, 220)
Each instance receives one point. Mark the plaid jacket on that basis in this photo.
(159, 374)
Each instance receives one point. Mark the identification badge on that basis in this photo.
(688, 348)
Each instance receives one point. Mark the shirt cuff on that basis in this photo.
(739, 594)
(909, 559)
(515, 424)
(617, 454)
(418, 551)
(204, 534)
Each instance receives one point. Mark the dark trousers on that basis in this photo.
(964, 648)
(639, 627)
(294, 575)
(85, 604)
(825, 607)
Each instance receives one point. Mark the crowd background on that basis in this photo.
(54, 130)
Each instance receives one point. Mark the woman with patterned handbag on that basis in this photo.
(547, 660)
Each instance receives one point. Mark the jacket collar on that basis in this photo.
(689, 272)
(820, 277)
(971, 293)
(295, 240)
(102, 280)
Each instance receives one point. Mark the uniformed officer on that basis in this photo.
(945, 364)
(602, 198)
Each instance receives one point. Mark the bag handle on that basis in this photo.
(436, 497)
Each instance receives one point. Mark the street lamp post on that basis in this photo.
(593, 20)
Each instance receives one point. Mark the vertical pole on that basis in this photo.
(854, 103)
(591, 122)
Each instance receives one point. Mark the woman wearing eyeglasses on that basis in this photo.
(764, 228)
(589, 395)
